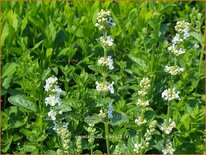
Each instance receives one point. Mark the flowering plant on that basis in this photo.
(102, 77)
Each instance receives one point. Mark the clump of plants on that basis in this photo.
(102, 77)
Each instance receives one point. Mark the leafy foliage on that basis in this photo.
(44, 39)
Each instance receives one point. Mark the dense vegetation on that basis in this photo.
(102, 77)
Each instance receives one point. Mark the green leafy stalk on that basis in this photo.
(106, 125)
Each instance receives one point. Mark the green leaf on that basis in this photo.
(137, 60)
(97, 152)
(93, 119)
(37, 45)
(197, 36)
(6, 144)
(131, 142)
(49, 52)
(65, 106)
(95, 68)
(16, 137)
(5, 33)
(9, 69)
(119, 118)
(31, 148)
(18, 123)
(23, 102)
(63, 52)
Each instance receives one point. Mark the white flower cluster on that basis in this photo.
(167, 126)
(168, 149)
(145, 85)
(65, 136)
(147, 138)
(138, 147)
(105, 87)
(52, 114)
(91, 130)
(109, 111)
(176, 51)
(150, 131)
(54, 96)
(102, 114)
(106, 41)
(104, 19)
(170, 94)
(107, 62)
(173, 70)
(51, 85)
(140, 121)
(79, 144)
(142, 103)
(182, 29)
(52, 100)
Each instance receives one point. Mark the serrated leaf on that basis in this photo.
(93, 119)
(23, 102)
(119, 118)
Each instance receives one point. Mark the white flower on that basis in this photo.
(142, 92)
(138, 147)
(105, 87)
(101, 87)
(173, 70)
(145, 82)
(106, 41)
(153, 124)
(145, 85)
(177, 39)
(50, 82)
(140, 121)
(52, 100)
(57, 90)
(196, 45)
(173, 48)
(168, 149)
(102, 114)
(107, 62)
(142, 103)
(167, 126)
(110, 62)
(111, 88)
(170, 94)
(52, 114)
(109, 111)
(182, 27)
(103, 20)
(110, 22)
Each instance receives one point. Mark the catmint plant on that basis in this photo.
(103, 23)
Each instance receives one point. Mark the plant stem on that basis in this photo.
(106, 136)
(140, 139)
(91, 150)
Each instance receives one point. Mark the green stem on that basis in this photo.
(140, 139)
(107, 136)
(91, 150)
